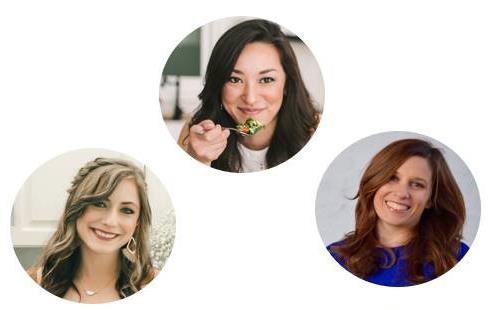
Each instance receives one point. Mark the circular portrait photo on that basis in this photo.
(92, 226)
(242, 94)
(397, 209)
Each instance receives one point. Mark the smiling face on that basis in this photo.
(255, 88)
(401, 202)
(106, 226)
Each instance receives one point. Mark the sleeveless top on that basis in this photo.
(252, 160)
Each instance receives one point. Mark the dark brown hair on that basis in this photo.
(436, 239)
(297, 117)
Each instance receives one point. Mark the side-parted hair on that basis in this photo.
(297, 117)
(436, 238)
(61, 257)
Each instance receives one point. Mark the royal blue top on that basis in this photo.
(396, 275)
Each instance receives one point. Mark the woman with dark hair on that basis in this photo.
(100, 250)
(252, 74)
(409, 218)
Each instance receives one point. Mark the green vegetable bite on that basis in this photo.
(250, 127)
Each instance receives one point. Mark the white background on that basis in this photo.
(87, 75)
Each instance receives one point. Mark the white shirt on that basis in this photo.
(252, 160)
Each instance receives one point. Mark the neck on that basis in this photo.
(260, 140)
(96, 267)
(393, 236)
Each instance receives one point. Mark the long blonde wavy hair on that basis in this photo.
(61, 257)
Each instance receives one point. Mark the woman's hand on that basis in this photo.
(207, 141)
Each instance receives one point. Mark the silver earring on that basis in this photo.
(130, 250)
(221, 107)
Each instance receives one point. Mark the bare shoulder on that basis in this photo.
(35, 272)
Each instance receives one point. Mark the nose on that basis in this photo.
(249, 94)
(402, 191)
(110, 217)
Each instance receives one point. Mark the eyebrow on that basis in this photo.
(261, 72)
(124, 202)
(129, 203)
(414, 178)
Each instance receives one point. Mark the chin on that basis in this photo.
(98, 247)
(402, 223)
(396, 223)
(103, 250)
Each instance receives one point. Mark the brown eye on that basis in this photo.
(417, 185)
(267, 80)
(234, 80)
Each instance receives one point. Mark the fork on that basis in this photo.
(239, 132)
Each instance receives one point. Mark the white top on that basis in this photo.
(252, 160)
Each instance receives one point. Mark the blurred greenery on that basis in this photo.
(185, 59)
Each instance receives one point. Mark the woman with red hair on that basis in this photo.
(409, 218)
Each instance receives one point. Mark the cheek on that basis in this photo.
(82, 226)
(78, 225)
(380, 194)
(274, 96)
(229, 100)
(378, 201)
(229, 96)
(377, 205)
(129, 226)
(84, 219)
(424, 200)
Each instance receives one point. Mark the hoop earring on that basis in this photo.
(130, 253)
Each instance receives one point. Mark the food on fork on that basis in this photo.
(250, 127)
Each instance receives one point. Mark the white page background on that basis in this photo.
(87, 75)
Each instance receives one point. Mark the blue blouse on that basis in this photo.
(396, 275)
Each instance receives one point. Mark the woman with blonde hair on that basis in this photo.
(100, 250)
(408, 220)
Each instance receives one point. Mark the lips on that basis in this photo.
(104, 235)
(251, 111)
(396, 206)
